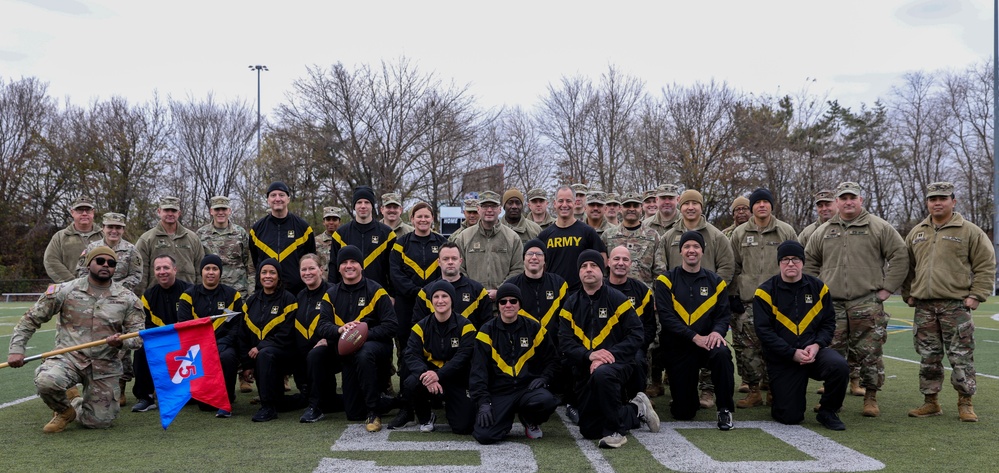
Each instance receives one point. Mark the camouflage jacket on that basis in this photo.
(323, 243)
(401, 229)
(129, 269)
(63, 252)
(602, 227)
(525, 229)
(232, 245)
(544, 223)
(755, 251)
(184, 246)
(954, 261)
(641, 243)
(660, 225)
(717, 257)
(82, 318)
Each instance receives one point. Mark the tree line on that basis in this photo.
(398, 128)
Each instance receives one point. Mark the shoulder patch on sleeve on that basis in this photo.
(53, 288)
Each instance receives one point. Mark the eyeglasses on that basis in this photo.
(508, 301)
(791, 260)
(742, 208)
(534, 253)
(101, 261)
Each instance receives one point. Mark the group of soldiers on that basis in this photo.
(592, 300)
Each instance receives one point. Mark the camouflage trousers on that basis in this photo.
(126, 366)
(748, 351)
(100, 391)
(861, 332)
(944, 326)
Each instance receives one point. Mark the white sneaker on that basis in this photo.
(429, 425)
(533, 431)
(614, 440)
(646, 412)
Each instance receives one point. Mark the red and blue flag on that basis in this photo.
(184, 362)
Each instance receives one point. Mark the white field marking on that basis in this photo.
(18, 401)
(588, 447)
(989, 341)
(675, 452)
(39, 331)
(502, 457)
(945, 367)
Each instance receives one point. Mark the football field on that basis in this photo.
(197, 441)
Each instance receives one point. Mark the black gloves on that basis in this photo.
(537, 383)
(485, 416)
(735, 305)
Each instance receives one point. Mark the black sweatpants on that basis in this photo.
(533, 407)
(143, 387)
(683, 365)
(603, 408)
(789, 381)
(364, 375)
(322, 364)
(271, 365)
(458, 407)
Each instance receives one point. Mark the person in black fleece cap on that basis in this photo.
(283, 236)
(373, 238)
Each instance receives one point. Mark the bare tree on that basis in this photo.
(565, 117)
(527, 157)
(968, 97)
(617, 104)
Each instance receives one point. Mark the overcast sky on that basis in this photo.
(506, 52)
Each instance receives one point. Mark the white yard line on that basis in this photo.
(945, 367)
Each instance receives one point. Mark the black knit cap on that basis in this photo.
(211, 259)
(269, 262)
(790, 248)
(692, 235)
(535, 243)
(508, 290)
(589, 255)
(440, 285)
(278, 186)
(349, 252)
(363, 192)
(760, 194)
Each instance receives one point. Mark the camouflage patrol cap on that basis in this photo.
(219, 202)
(942, 189)
(392, 198)
(634, 197)
(488, 197)
(649, 194)
(170, 203)
(824, 195)
(83, 201)
(596, 197)
(536, 193)
(612, 198)
(579, 189)
(333, 212)
(668, 190)
(847, 187)
(471, 205)
(113, 218)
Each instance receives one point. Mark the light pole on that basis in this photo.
(258, 68)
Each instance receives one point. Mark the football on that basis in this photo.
(351, 340)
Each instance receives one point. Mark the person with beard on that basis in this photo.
(282, 236)
(353, 300)
(319, 356)
(209, 298)
(267, 340)
(472, 300)
(89, 309)
(374, 239)
(567, 238)
(640, 240)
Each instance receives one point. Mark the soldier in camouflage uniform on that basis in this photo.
(666, 215)
(392, 214)
(86, 309)
(649, 205)
(579, 207)
(231, 243)
(169, 237)
(332, 216)
(952, 267)
(825, 207)
(471, 213)
(740, 214)
(863, 260)
(63, 251)
(596, 200)
(612, 209)
(641, 241)
(513, 216)
(128, 273)
(537, 201)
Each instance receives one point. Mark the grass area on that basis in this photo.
(198, 441)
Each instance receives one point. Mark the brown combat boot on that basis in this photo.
(707, 399)
(965, 410)
(856, 389)
(60, 420)
(770, 398)
(743, 388)
(929, 408)
(72, 393)
(753, 399)
(121, 400)
(871, 404)
(245, 382)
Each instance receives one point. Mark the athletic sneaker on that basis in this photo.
(533, 431)
(572, 413)
(646, 413)
(264, 414)
(725, 419)
(830, 420)
(144, 405)
(404, 417)
(374, 423)
(311, 415)
(428, 426)
(223, 414)
(614, 440)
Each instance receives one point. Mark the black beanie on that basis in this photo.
(269, 262)
(349, 252)
(590, 255)
(692, 235)
(758, 195)
(211, 259)
(363, 192)
(790, 248)
(440, 285)
(534, 243)
(508, 290)
(278, 186)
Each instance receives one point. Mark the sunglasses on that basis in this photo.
(101, 261)
(508, 301)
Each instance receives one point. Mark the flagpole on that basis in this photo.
(228, 314)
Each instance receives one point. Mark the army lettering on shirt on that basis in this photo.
(565, 245)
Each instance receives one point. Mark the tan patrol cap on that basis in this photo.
(113, 218)
(579, 189)
(633, 197)
(392, 198)
(535, 194)
(648, 194)
(612, 198)
(824, 195)
(942, 189)
(219, 202)
(83, 201)
(489, 197)
(170, 203)
(471, 205)
(596, 197)
(668, 190)
(333, 212)
(848, 187)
